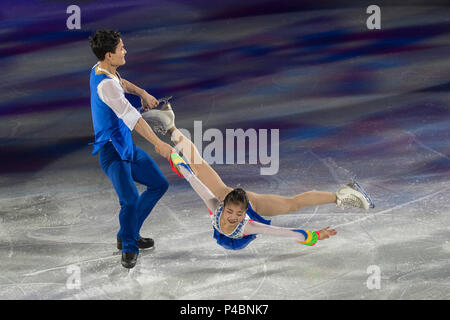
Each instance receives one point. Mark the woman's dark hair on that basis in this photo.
(237, 196)
(104, 41)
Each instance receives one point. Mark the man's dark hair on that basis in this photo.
(237, 196)
(104, 41)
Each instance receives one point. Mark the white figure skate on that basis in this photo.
(353, 195)
(161, 119)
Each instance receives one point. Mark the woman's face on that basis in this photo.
(233, 213)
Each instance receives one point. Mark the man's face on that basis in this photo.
(118, 57)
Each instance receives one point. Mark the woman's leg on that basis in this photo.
(201, 168)
(264, 204)
(273, 205)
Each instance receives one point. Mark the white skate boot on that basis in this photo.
(353, 195)
(162, 119)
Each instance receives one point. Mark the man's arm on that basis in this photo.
(146, 131)
(147, 100)
(111, 94)
(129, 87)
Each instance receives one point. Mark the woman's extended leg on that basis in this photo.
(201, 168)
(264, 204)
(273, 205)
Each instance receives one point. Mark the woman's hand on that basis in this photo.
(326, 233)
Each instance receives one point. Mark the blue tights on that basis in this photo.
(134, 208)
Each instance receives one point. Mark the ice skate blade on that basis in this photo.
(357, 186)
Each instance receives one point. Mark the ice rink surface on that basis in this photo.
(347, 101)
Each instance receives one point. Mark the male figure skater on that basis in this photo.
(123, 162)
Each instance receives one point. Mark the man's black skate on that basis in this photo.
(143, 243)
(129, 259)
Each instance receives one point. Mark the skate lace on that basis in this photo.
(351, 200)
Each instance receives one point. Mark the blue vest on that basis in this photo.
(107, 126)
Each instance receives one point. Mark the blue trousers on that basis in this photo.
(134, 208)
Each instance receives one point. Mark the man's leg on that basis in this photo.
(145, 171)
(119, 172)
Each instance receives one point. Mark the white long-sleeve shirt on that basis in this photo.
(111, 92)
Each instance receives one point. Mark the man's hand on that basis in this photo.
(164, 150)
(148, 101)
(326, 233)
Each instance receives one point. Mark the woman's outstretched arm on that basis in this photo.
(299, 235)
(203, 192)
(201, 168)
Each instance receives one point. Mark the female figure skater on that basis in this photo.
(236, 214)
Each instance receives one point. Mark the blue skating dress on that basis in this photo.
(235, 240)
